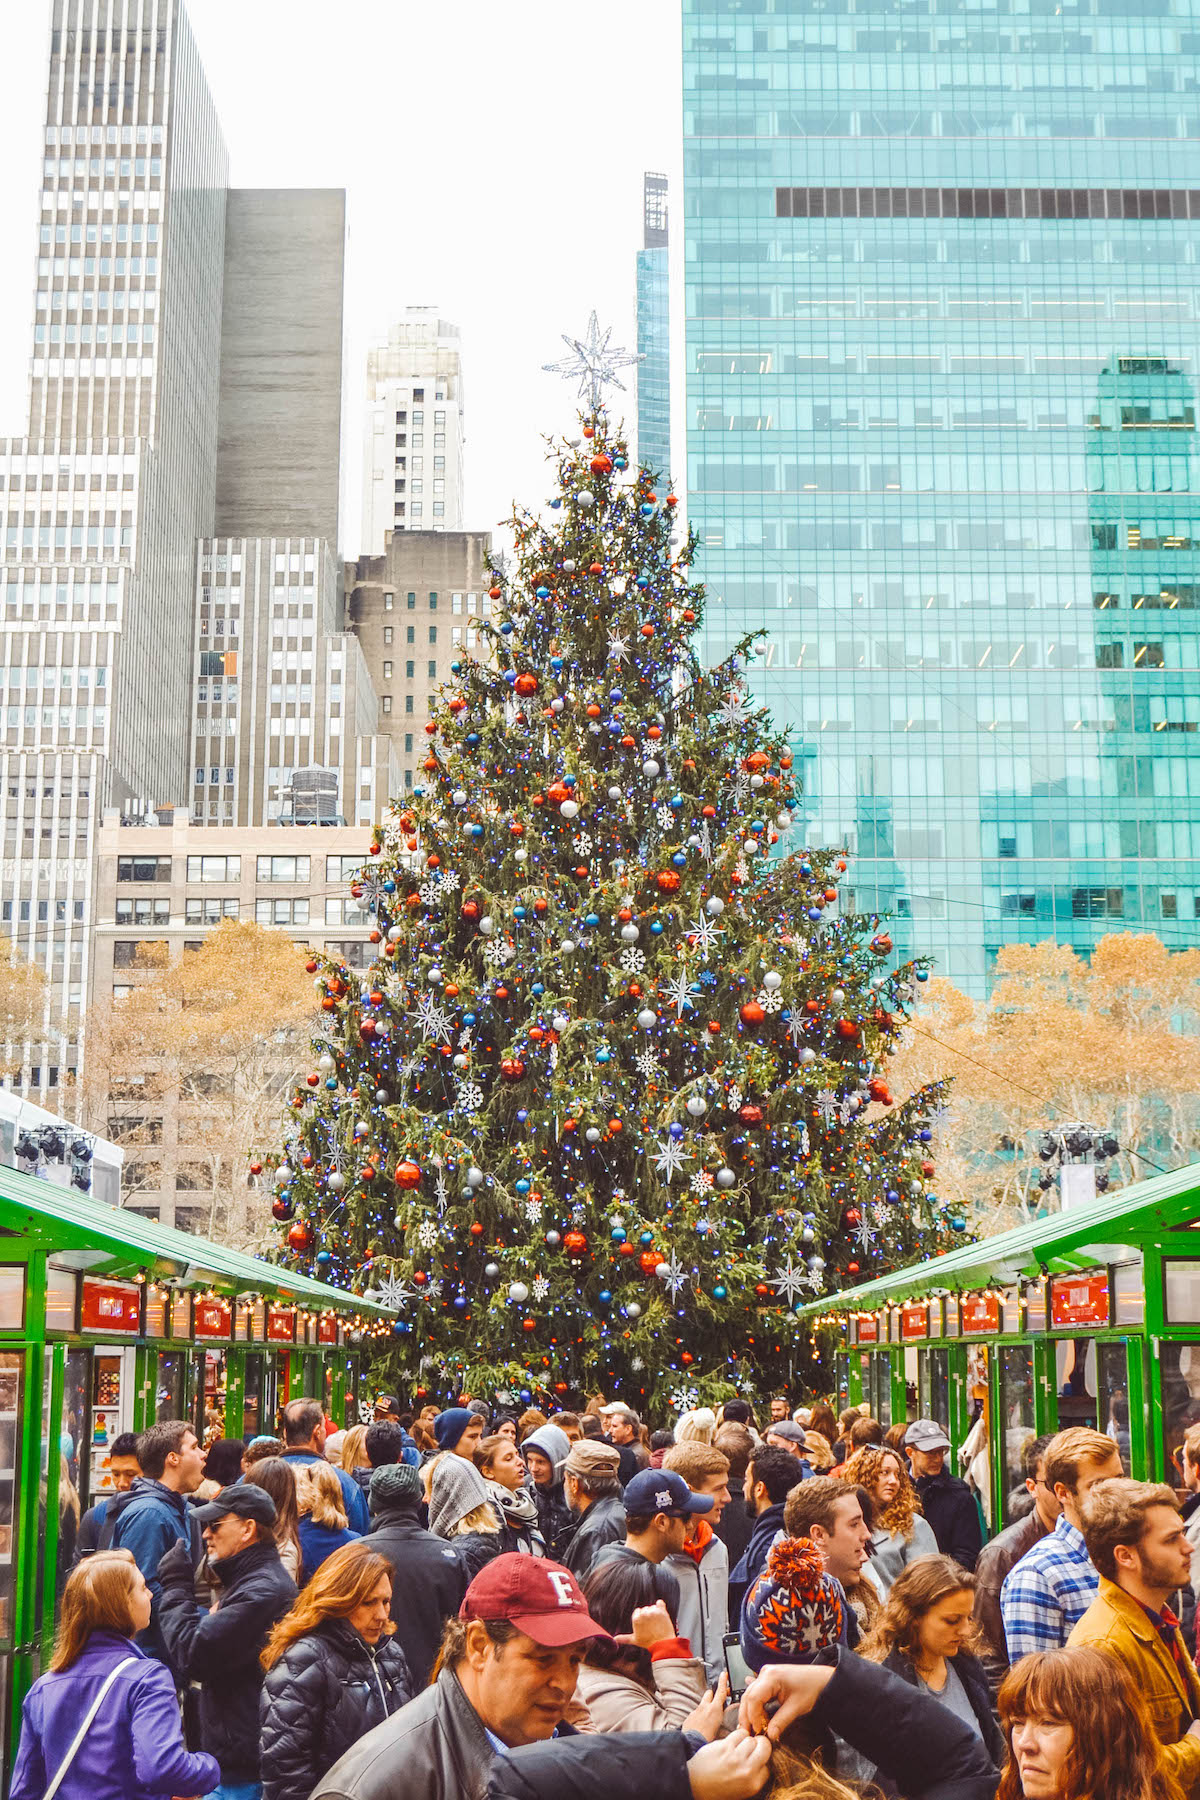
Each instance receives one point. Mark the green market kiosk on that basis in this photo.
(109, 1322)
(1090, 1316)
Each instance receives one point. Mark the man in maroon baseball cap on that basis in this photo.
(506, 1676)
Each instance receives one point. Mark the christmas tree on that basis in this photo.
(612, 1103)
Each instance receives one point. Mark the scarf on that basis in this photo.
(516, 1508)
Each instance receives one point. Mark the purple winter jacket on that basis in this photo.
(134, 1749)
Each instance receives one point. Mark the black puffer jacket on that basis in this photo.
(475, 1548)
(327, 1690)
(220, 1650)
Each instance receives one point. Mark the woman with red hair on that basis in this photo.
(1077, 1730)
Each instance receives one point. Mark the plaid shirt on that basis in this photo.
(1046, 1594)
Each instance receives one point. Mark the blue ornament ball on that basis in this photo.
(719, 1293)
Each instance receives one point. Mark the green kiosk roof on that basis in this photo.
(87, 1235)
(1079, 1238)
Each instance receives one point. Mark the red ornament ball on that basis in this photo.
(650, 1259)
(408, 1174)
(526, 685)
(750, 1114)
(668, 880)
(512, 1069)
(575, 1242)
(528, 1324)
(282, 1210)
(751, 1013)
(300, 1235)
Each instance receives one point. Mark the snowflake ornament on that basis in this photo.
(771, 1000)
(541, 1287)
(705, 934)
(450, 881)
(427, 1234)
(789, 1281)
(498, 952)
(699, 1184)
(433, 1020)
(646, 1064)
(685, 1399)
(395, 1293)
(468, 1097)
(734, 710)
(678, 992)
(427, 894)
(670, 1159)
(533, 1211)
(633, 961)
(665, 817)
(583, 844)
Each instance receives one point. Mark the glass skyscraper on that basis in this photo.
(942, 349)
(654, 330)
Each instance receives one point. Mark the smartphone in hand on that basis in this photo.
(736, 1667)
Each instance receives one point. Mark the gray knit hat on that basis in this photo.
(393, 1482)
(458, 1488)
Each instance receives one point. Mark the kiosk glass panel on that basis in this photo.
(1112, 1394)
(933, 1382)
(169, 1385)
(252, 1400)
(1016, 1414)
(1180, 1369)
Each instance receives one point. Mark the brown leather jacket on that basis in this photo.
(995, 1560)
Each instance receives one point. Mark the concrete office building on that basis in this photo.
(170, 881)
(185, 382)
(106, 497)
(413, 435)
(654, 331)
(943, 344)
(412, 611)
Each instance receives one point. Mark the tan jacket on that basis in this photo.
(618, 1703)
(1119, 1625)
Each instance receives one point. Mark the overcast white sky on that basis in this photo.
(492, 153)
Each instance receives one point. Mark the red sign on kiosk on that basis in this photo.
(211, 1319)
(110, 1306)
(914, 1321)
(327, 1329)
(980, 1313)
(1079, 1299)
(281, 1325)
(868, 1329)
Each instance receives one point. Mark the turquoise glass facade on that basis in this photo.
(654, 332)
(942, 352)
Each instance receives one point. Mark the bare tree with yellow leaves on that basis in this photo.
(1114, 1041)
(188, 1070)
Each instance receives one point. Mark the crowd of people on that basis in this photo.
(465, 1604)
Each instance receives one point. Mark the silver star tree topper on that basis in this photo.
(594, 363)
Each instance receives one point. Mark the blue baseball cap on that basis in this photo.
(662, 1491)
